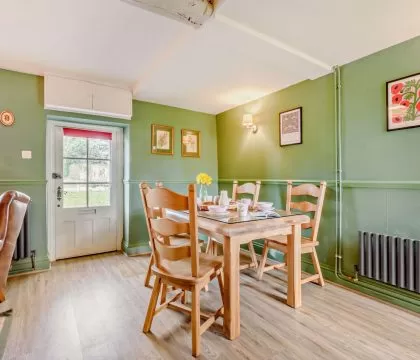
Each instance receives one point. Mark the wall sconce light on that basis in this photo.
(248, 123)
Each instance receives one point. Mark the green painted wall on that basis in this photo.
(259, 156)
(381, 170)
(370, 153)
(175, 171)
(23, 94)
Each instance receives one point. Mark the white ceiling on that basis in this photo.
(250, 49)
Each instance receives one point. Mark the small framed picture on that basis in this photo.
(162, 140)
(190, 143)
(403, 103)
(291, 127)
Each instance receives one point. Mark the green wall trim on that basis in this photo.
(375, 184)
(90, 119)
(22, 182)
(276, 181)
(25, 265)
(131, 181)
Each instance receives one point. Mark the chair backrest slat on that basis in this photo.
(167, 227)
(304, 206)
(309, 225)
(247, 188)
(307, 206)
(306, 189)
(172, 252)
(166, 199)
(161, 228)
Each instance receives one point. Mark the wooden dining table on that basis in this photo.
(231, 231)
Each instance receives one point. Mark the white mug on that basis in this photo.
(246, 201)
(242, 209)
(224, 199)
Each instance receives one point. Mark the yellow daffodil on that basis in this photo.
(204, 179)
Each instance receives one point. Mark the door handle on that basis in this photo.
(56, 176)
(59, 193)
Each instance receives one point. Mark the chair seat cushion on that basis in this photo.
(181, 269)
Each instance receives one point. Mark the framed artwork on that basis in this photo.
(162, 140)
(190, 143)
(291, 127)
(403, 103)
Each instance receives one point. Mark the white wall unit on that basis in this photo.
(108, 100)
(87, 98)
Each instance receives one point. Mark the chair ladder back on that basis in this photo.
(306, 206)
(289, 195)
(247, 188)
(318, 212)
(162, 228)
(195, 247)
(149, 213)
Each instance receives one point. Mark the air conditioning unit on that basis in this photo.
(192, 12)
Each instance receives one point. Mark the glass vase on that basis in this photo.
(203, 192)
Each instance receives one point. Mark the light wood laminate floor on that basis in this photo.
(94, 307)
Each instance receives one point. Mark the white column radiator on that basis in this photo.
(391, 259)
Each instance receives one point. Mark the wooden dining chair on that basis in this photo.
(308, 244)
(155, 213)
(174, 240)
(181, 266)
(244, 189)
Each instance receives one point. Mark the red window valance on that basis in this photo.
(91, 134)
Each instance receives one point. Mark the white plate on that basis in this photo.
(218, 213)
(265, 209)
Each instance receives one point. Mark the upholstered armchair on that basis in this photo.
(13, 206)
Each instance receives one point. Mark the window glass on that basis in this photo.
(74, 170)
(74, 195)
(99, 171)
(74, 147)
(99, 149)
(99, 195)
(86, 171)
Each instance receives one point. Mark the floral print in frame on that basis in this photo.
(403, 103)
(162, 140)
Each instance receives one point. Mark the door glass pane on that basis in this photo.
(99, 171)
(99, 195)
(74, 195)
(74, 170)
(74, 147)
(99, 149)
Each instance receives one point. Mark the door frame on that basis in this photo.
(50, 195)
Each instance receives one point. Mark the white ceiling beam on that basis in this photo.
(272, 41)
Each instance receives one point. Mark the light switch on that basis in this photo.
(26, 154)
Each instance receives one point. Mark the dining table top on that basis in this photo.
(254, 225)
(233, 217)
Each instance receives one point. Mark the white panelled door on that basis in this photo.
(86, 180)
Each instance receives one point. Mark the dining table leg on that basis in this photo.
(232, 319)
(294, 263)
